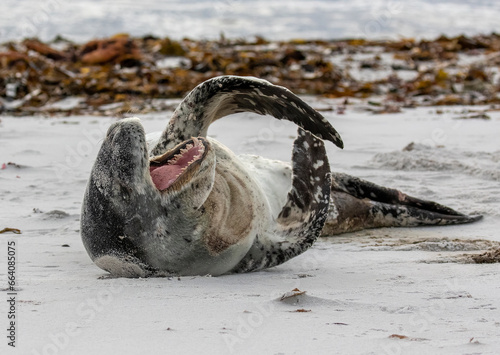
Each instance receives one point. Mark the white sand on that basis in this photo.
(361, 288)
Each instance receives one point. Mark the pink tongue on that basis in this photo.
(165, 175)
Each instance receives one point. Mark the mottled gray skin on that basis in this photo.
(359, 204)
(219, 219)
(230, 214)
(124, 217)
(225, 95)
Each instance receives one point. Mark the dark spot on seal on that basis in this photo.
(286, 212)
(132, 228)
(125, 192)
(281, 258)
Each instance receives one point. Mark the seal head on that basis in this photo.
(131, 199)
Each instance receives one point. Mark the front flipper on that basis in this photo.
(225, 95)
(302, 218)
(359, 204)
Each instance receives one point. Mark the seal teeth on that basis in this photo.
(175, 158)
(192, 151)
(196, 157)
(167, 169)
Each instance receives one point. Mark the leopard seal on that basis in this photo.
(181, 203)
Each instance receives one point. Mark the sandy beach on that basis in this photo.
(412, 87)
(386, 291)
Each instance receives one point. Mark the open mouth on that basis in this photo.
(170, 167)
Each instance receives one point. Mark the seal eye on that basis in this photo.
(166, 170)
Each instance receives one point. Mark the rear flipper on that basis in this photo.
(358, 204)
